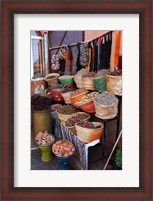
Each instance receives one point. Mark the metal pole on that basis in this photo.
(113, 150)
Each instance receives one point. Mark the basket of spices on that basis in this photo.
(36, 81)
(100, 80)
(65, 111)
(77, 95)
(52, 78)
(86, 102)
(106, 105)
(114, 82)
(87, 79)
(89, 131)
(57, 92)
(66, 80)
(78, 77)
(75, 118)
(67, 95)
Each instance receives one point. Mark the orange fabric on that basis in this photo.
(67, 64)
(117, 48)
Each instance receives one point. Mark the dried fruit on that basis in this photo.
(87, 124)
(63, 148)
(40, 102)
(76, 118)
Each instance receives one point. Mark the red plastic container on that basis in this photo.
(57, 96)
(88, 107)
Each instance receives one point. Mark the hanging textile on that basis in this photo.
(67, 61)
(62, 66)
(92, 56)
(55, 65)
(106, 50)
(78, 57)
(62, 54)
(109, 45)
(99, 54)
(117, 48)
(112, 51)
(95, 55)
(83, 54)
(89, 58)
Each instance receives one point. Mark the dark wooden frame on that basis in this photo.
(11, 7)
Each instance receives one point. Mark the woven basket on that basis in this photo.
(88, 83)
(67, 97)
(78, 81)
(100, 83)
(66, 79)
(62, 117)
(52, 81)
(114, 84)
(35, 83)
(106, 112)
(87, 134)
(72, 128)
(74, 99)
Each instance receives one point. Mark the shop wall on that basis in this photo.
(57, 38)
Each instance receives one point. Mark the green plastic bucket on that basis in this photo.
(46, 153)
(100, 84)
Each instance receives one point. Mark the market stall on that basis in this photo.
(80, 104)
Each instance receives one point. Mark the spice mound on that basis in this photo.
(44, 138)
(63, 148)
(90, 74)
(40, 102)
(106, 98)
(67, 110)
(66, 90)
(76, 118)
(117, 73)
(102, 73)
(78, 91)
(87, 124)
(81, 72)
(87, 98)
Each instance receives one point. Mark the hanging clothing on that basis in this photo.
(62, 66)
(106, 50)
(95, 55)
(78, 57)
(89, 57)
(99, 54)
(112, 51)
(83, 54)
(67, 63)
(117, 48)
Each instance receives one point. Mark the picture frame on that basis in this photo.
(9, 9)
